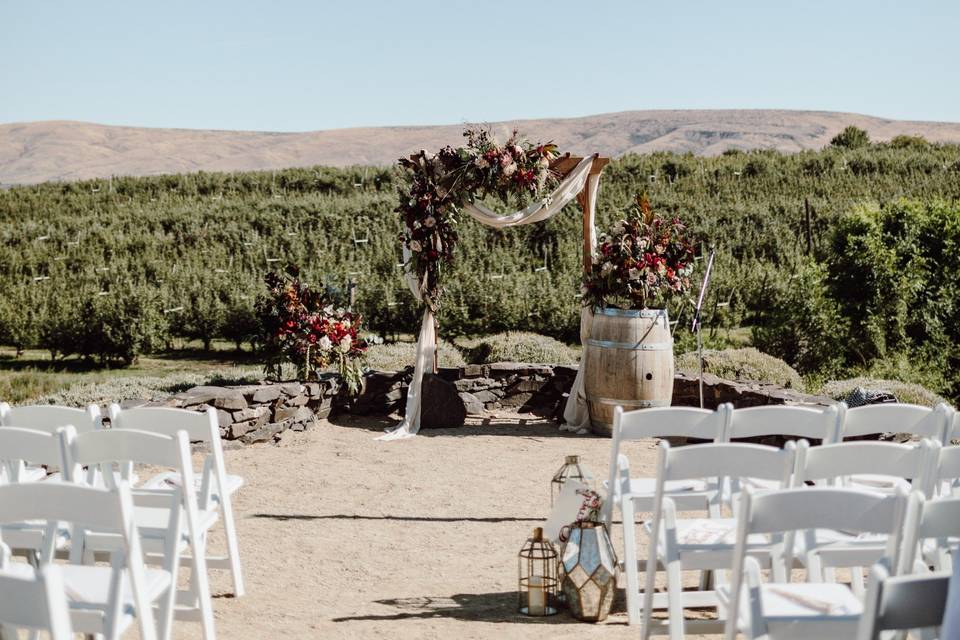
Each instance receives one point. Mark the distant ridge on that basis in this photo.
(34, 152)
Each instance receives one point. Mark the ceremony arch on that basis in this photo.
(581, 180)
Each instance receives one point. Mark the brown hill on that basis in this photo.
(39, 151)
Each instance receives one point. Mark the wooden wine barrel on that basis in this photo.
(629, 363)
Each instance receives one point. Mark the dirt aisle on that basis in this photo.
(345, 537)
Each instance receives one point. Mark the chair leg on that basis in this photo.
(233, 548)
(856, 582)
(630, 562)
(200, 586)
(675, 596)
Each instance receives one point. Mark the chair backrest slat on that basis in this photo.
(900, 603)
(840, 509)
(782, 420)
(832, 461)
(124, 445)
(86, 506)
(732, 460)
(875, 419)
(50, 417)
(29, 446)
(166, 420)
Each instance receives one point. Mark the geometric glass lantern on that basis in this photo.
(571, 470)
(537, 570)
(589, 565)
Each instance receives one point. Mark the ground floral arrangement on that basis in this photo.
(643, 260)
(441, 184)
(308, 328)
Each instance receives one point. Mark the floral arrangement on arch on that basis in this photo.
(642, 260)
(307, 328)
(442, 183)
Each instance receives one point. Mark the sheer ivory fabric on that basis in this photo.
(575, 412)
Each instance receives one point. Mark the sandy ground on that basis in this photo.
(342, 536)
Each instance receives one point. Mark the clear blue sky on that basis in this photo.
(300, 65)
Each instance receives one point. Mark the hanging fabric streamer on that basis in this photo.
(575, 412)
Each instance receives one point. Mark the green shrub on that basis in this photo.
(743, 364)
(522, 346)
(395, 356)
(851, 138)
(907, 392)
(801, 324)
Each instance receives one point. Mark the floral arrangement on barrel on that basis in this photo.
(441, 184)
(308, 328)
(642, 260)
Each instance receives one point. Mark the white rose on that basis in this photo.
(606, 268)
(634, 274)
(415, 246)
(509, 169)
(429, 222)
(345, 343)
(324, 344)
(517, 149)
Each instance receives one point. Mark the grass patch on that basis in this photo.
(521, 346)
(395, 356)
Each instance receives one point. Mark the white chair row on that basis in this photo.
(214, 486)
(707, 543)
(783, 609)
(828, 425)
(157, 437)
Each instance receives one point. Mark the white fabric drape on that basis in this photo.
(575, 411)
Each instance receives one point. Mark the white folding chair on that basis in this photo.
(108, 448)
(35, 602)
(821, 551)
(782, 609)
(103, 600)
(895, 417)
(213, 485)
(703, 544)
(931, 533)
(901, 603)
(661, 422)
(47, 418)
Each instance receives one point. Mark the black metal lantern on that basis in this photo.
(571, 470)
(537, 570)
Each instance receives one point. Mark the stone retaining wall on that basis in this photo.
(261, 412)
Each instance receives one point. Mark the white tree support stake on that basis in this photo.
(173, 310)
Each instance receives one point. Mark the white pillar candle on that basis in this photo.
(536, 596)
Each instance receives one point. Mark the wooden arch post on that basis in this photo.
(564, 165)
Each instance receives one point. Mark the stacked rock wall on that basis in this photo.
(261, 412)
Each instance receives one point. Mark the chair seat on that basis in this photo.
(801, 607)
(713, 534)
(152, 525)
(877, 482)
(172, 479)
(33, 474)
(850, 549)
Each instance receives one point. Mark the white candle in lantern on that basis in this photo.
(536, 596)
